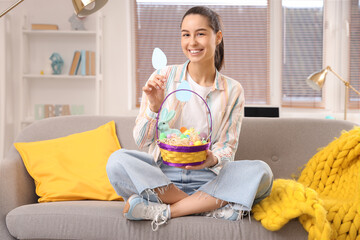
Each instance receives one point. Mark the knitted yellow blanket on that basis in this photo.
(325, 198)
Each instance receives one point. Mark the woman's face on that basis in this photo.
(198, 40)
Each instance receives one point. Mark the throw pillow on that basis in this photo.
(72, 167)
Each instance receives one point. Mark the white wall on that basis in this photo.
(119, 59)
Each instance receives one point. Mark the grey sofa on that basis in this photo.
(285, 144)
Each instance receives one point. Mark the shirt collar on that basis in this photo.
(218, 84)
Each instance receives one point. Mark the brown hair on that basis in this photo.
(216, 25)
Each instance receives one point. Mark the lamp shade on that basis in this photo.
(317, 79)
(87, 7)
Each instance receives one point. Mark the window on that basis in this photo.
(246, 40)
(302, 51)
(307, 46)
(354, 69)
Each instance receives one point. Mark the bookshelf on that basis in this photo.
(41, 91)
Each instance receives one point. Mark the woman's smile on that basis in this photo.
(195, 52)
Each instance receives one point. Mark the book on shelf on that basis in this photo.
(55, 110)
(83, 63)
(75, 63)
(88, 66)
(92, 63)
(37, 26)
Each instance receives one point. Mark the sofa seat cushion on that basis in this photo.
(104, 220)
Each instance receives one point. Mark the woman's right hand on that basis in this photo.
(155, 90)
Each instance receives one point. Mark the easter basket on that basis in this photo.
(179, 156)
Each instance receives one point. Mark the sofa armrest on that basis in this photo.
(17, 188)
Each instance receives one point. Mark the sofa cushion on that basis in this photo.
(72, 167)
(286, 145)
(103, 220)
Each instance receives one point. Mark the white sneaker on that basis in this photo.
(226, 212)
(137, 208)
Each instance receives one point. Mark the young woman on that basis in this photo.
(220, 187)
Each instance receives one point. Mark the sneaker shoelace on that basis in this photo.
(159, 219)
(152, 210)
(156, 213)
(220, 213)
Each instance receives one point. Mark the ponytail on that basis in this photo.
(219, 55)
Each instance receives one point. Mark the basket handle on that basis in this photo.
(157, 117)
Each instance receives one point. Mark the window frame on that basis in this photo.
(337, 58)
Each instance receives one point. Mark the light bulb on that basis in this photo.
(90, 6)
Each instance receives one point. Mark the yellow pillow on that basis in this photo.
(72, 167)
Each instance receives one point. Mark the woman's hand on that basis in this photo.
(155, 89)
(210, 161)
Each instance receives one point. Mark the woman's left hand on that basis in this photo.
(210, 161)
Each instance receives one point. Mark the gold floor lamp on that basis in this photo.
(317, 80)
(82, 7)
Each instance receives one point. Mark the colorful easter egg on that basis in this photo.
(183, 129)
(162, 136)
(187, 132)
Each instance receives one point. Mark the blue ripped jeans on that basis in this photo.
(243, 183)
